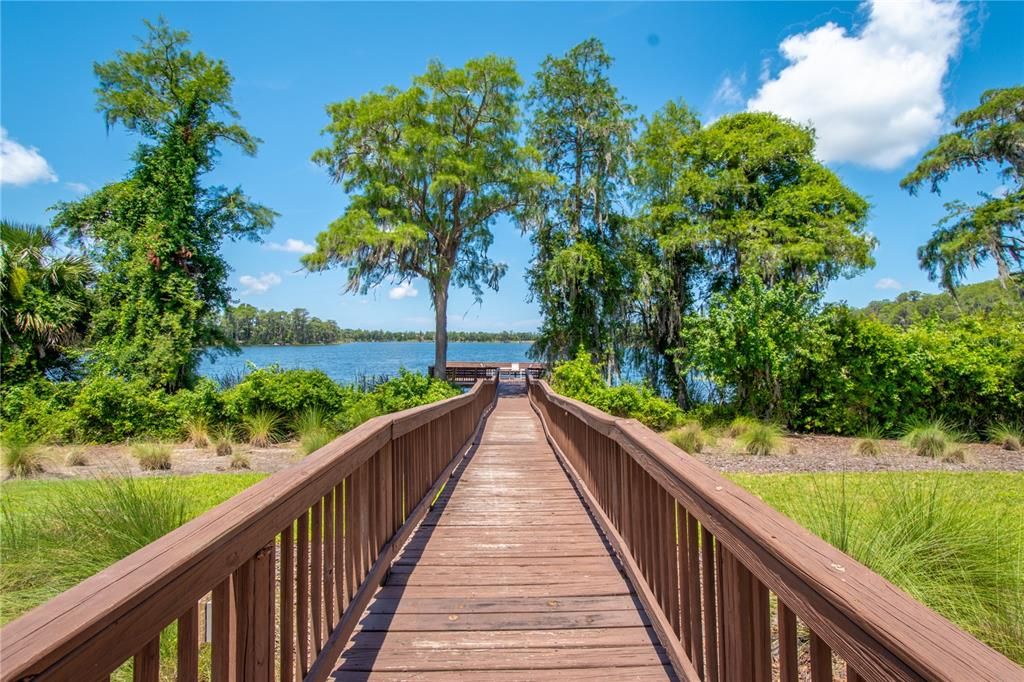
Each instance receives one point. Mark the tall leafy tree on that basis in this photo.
(663, 282)
(44, 303)
(427, 171)
(986, 137)
(583, 129)
(739, 200)
(752, 197)
(156, 235)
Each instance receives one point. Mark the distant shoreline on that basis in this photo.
(345, 343)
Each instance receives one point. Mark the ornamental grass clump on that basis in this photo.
(869, 444)
(153, 456)
(935, 439)
(739, 426)
(1007, 436)
(691, 437)
(240, 460)
(310, 420)
(21, 456)
(223, 440)
(198, 430)
(761, 439)
(263, 427)
(76, 458)
(314, 440)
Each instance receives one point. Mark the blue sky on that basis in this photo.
(879, 82)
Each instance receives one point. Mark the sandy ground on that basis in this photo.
(185, 459)
(799, 453)
(810, 453)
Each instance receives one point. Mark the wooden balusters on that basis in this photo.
(821, 659)
(302, 593)
(188, 646)
(146, 664)
(288, 604)
(224, 631)
(788, 671)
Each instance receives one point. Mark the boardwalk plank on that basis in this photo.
(507, 578)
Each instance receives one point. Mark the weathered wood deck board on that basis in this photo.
(507, 578)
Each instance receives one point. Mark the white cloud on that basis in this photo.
(403, 290)
(888, 283)
(730, 91)
(259, 285)
(874, 96)
(20, 165)
(77, 187)
(291, 246)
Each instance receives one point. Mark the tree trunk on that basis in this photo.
(440, 293)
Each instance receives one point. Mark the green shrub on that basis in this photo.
(38, 408)
(761, 439)
(1006, 436)
(21, 456)
(581, 380)
(203, 402)
(110, 409)
(262, 427)
(856, 372)
(411, 389)
(153, 456)
(932, 439)
(691, 437)
(286, 392)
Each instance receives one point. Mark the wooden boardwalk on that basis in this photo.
(507, 578)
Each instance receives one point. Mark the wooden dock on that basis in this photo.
(508, 577)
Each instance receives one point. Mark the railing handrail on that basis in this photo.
(873, 624)
(121, 608)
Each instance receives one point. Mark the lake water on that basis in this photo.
(345, 362)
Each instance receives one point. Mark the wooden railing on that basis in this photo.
(734, 589)
(289, 565)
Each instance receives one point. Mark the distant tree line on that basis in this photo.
(246, 325)
(914, 306)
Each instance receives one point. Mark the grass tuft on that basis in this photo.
(869, 444)
(933, 439)
(153, 456)
(761, 439)
(263, 427)
(76, 458)
(21, 457)
(740, 425)
(310, 420)
(1007, 436)
(314, 440)
(198, 430)
(223, 440)
(691, 437)
(240, 460)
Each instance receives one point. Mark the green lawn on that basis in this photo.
(54, 534)
(955, 541)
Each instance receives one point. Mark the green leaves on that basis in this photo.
(992, 134)
(156, 235)
(427, 171)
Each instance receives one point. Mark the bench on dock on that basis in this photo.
(508, 533)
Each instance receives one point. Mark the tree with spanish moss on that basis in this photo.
(156, 235)
(428, 170)
(583, 128)
(990, 136)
